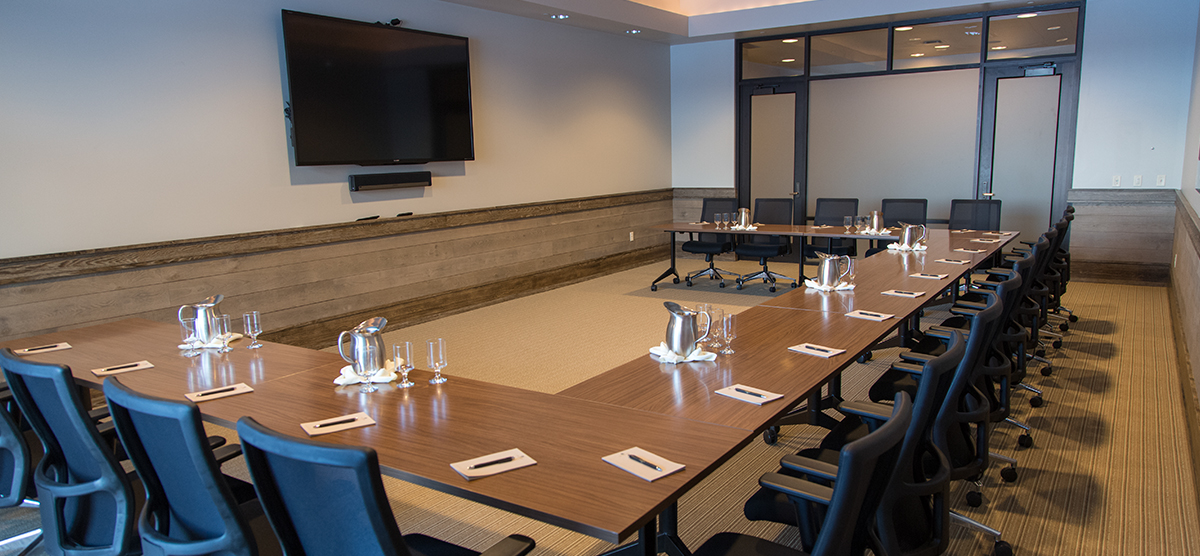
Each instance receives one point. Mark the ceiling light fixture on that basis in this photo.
(916, 54)
(559, 16)
(942, 46)
(633, 31)
(999, 47)
(790, 41)
(906, 28)
(788, 60)
(1064, 39)
(1026, 16)
(1055, 28)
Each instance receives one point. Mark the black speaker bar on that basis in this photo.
(371, 182)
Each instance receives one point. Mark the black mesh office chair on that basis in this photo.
(831, 212)
(865, 468)
(191, 507)
(302, 483)
(898, 211)
(15, 461)
(86, 501)
(975, 214)
(767, 211)
(710, 244)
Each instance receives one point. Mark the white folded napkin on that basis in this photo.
(348, 376)
(898, 247)
(870, 232)
(665, 355)
(215, 343)
(841, 286)
(750, 228)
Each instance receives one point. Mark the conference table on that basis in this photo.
(670, 410)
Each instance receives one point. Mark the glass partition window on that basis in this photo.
(773, 58)
(853, 52)
(932, 45)
(1032, 34)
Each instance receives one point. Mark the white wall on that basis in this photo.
(703, 129)
(1191, 177)
(1135, 89)
(142, 121)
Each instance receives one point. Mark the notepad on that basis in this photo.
(125, 368)
(492, 464)
(903, 293)
(818, 350)
(646, 465)
(971, 251)
(339, 423)
(43, 349)
(747, 394)
(985, 240)
(928, 275)
(218, 393)
(869, 315)
(952, 261)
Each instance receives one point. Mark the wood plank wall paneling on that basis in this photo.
(313, 280)
(1122, 235)
(1185, 303)
(689, 201)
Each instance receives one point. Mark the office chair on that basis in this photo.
(865, 469)
(15, 464)
(975, 214)
(86, 501)
(767, 211)
(831, 212)
(302, 483)
(710, 244)
(191, 507)
(896, 212)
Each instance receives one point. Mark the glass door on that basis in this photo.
(771, 136)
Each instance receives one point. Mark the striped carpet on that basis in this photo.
(1109, 471)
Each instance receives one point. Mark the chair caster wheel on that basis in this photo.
(1002, 549)
(1047, 370)
(675, 281)
(1057, 344)
(739, 286)
(1025, 440)
(1073, 318)
(1009, 474)
(862, 359)
(1040, 352)
(1036, 401)
(721, 285)
(771, 289)
(795, 285)
(974, 499)
(653, 288)
(771, 435)
(1064, 327)
(689, 283)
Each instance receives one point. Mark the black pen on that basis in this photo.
(338, 422)
(218, 391)
(493, 462)
(749, 393)
(119, 367)
(876, 315)
(644, 462)
(904, 293)
(815, 348)
(39, 348)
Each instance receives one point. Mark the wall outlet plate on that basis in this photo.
(1161, 181)
(1116, 181)
(1137, 180)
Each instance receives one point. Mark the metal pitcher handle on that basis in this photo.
(181, 308)
(849, 262)
(340, 344)
(924, 231)
(707, 326)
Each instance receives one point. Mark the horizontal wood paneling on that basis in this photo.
(475, 259)
(1185, 303)
(1122, 235)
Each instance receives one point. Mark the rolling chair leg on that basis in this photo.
(1025, 440)
(1001, 548)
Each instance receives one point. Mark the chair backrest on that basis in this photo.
(975, 214)
(14, 462)
(771, 211)
(189, 507)
(303, 485)
(830, 211)
(865, 468)
(86, 502)
(709, 210)
(909, 211)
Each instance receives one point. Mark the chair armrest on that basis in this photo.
(98, 414)
(226, 453)
(867, 410)
(964, 311)
(914, 369)
(810, 467)
(795, 487)
(215, 442)
(914, 357)
(512, 545)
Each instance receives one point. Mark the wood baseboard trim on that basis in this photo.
(1187, 388)
(323, 333)
(1121, 273)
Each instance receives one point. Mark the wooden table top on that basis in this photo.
(775, 230)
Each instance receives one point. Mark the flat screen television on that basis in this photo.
(369, 93)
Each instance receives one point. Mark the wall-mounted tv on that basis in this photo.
(369, 93)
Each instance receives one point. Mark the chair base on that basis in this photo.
(766, 276)
(713, 273)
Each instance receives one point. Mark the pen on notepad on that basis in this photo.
(218, 391)
(876, 315)
(338, 422)
(815, 348)
(644, 462)
(904, 292)
(119, 367)
(39, 348)
(493, 462)
(748, 393)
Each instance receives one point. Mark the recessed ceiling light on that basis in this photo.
(914, 39)
(788, 60)
(1055, 28)
(972, 33)
(999, 47)
(633, 31)
(559, 16)
(1026, 16)
(907, 28)
(916, 54)
(970, 27)
(790, 41)
(942, 46)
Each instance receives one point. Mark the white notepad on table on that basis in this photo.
(928, 275)
(646, 465)
(748, 394)
(869, 315)
(815, 349)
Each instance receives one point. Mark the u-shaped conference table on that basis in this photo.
(670, 410)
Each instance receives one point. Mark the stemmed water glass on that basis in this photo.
(366, 368)
(725, 219)
(187, 329)
(253, 327)
(437, 360)
(728, 333)
(224, 332)
(861, 222)
(848, 222)
(402, 355)
(714, 328)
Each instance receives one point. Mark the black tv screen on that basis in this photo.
(368, 93)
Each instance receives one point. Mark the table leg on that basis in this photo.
(656, 536)
(670, 271)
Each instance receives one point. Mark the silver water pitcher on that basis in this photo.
(368, 333)
(683, 329)
(829, 269)
(909, 237)
(875, 222)
(743, 218)
(203, 312)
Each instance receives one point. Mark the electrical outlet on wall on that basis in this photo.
(630, 236)
(1137, 180)
(1116, 181)
(1161, 181)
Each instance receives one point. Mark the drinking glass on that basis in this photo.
(224, 332)
(724, 221)
(187, 329)
(437, 360)
(367, 370)
(714, 333)
(402, 355)
(728, 333)
(253, 327)
(861, 223)
(848, 222)
(706, 309)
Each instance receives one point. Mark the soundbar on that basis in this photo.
(371, 182)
